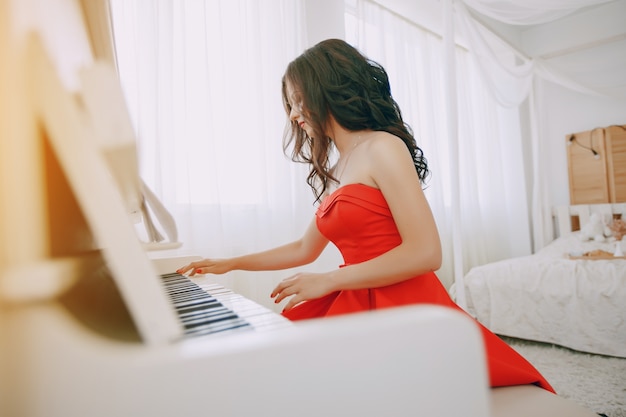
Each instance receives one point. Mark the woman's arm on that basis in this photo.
(300, 252)
(391, 168)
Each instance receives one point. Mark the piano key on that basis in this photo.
(206, 308)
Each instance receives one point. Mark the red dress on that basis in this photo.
(357, 219)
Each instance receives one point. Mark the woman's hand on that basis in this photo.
(302, 287)
(207, 266)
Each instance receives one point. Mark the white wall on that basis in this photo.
(566, 111)
(588, 46)
(325, 20)
(570, 112)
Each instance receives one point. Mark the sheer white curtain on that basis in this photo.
(203, 84)
(513, 81)
(492, 189)
(529, 12)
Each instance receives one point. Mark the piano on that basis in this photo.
(212, 309)
(91, 325)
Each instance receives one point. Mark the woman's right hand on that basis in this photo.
(207, 266)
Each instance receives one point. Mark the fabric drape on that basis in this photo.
(529, 12)
(489, 170)
(203, 83)
(514, 80)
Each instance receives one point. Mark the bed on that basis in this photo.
(555, 296)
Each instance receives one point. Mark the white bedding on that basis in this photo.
(580, 304)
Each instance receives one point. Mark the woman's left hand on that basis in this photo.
(302, 287)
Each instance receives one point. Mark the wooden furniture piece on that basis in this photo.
(597, 165)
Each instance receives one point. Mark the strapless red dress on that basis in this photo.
(357, 219)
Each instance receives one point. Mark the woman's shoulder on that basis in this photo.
(381, 139)
(390, 160)
(384, 145)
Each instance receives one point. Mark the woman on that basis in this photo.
(372, 206)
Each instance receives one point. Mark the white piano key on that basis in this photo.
(207, 309)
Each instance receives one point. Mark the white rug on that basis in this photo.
(594, 381)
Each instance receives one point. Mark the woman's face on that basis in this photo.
(297, 108)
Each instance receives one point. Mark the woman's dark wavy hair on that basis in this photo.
(334, 78)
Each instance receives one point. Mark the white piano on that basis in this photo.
(107, 332)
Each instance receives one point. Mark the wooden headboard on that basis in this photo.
(571, 218)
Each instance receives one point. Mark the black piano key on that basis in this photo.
(199, 312)
(210, 320)
(199, 315)
(217, 327)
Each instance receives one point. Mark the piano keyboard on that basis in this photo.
(208, 308)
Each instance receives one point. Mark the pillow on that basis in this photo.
(571, 244)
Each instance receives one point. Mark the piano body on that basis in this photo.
(88, 326)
